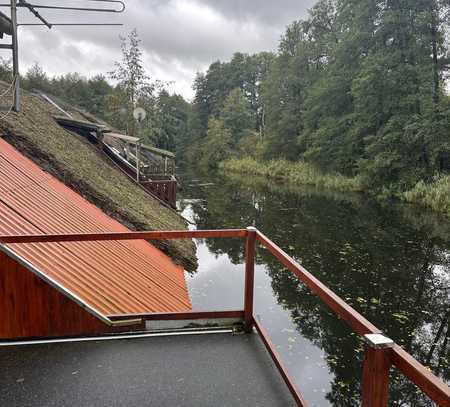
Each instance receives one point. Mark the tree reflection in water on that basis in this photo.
(389, 262)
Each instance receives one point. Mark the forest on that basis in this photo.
(356, 97)
(358, 90)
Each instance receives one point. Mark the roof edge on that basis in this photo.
(25, 263)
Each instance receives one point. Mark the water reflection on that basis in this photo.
(389, 262)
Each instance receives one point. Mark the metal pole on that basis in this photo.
(15, 46)
(138, 170)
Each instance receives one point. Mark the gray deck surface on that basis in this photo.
(189, 370)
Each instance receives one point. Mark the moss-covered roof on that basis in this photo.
(77, 163)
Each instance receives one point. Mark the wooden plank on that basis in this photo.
(80, 124)
(298, 397)
(159, 151)
(377, 363)
(360, 324)
(250, 252)
(431, 385)
(180, 316)
(30, 307)
(90, 237)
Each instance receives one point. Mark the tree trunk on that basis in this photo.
(434, 46)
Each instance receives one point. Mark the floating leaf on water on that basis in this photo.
(402, 318)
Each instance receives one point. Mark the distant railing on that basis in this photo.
(162, 186)
(165, 190)
(380, 354)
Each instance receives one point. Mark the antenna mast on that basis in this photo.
(15, 52)
(9, 27)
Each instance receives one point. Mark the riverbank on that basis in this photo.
(298, 173)
(435, 195)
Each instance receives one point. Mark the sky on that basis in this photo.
(179, 37)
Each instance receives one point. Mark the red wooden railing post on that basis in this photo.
(250, 251)
(377, 363)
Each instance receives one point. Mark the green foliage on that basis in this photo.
(173, 115)
(5, 70)
(237, 116)
(134, 88)
(91, 95)
(218, 143)
(435, 195)
(298, 173)
(232, 131)
(357, 88)
(232, 89)
(36, 78)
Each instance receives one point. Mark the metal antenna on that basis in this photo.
(9, 27)
(23, 3)
(15, 52)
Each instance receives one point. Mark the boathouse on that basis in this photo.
(70, 288)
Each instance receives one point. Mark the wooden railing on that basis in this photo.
(380, 353)
(162, 187)
(165, 190)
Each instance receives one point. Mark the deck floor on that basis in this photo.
(189, 370)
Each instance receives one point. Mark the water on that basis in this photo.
(390, 262)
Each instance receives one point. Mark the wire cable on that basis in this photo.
(9, 87)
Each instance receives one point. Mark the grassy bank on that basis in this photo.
(299, 173)
(435, 195)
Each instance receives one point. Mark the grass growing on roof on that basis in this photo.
(77, 163)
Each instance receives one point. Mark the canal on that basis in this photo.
(389, 261)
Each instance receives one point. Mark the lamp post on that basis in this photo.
(139, 114)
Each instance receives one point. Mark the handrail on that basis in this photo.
(360, 324)
(430, 384)
(152, 235)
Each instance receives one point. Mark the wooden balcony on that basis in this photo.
(381, 354)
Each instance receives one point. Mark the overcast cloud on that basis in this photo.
(179, 37)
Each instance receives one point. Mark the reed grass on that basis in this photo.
(434, 195)
(297, 173)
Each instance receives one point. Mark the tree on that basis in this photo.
(172, 124)
(217, 145)
(237, 116)
(36, 79)
(5, 70)
(133, 84)
(244, 73)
